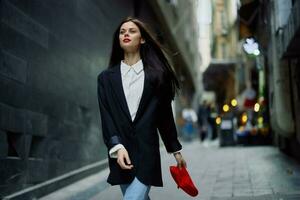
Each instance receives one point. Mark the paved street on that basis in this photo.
(244, 173)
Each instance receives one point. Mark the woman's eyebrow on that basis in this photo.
(129, 28)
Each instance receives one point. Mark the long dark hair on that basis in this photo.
(152, 56)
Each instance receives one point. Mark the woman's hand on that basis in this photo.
(123, 159)
(180, 161)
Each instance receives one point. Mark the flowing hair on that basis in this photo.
(152, 56)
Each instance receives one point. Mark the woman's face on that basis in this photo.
(130, 37)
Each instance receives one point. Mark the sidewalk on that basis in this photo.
(233, 173)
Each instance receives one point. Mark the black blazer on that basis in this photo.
(140, 136)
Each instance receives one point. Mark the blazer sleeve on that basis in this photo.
(167, 128)
(110, 134)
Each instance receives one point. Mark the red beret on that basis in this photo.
(183, 180)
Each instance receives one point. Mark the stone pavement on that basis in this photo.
(230, 173)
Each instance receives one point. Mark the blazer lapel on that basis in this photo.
(116, 83)
(147, 91)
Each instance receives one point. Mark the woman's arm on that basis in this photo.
(167, 128)
(110, 135)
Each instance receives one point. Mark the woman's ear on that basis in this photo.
(143, 41)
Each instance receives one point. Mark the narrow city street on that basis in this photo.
(85, 81)
(241, 173)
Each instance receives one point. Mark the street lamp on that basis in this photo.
(234, 102)
(251, 47)
(225, 108)
(256, 52)
(256, 107)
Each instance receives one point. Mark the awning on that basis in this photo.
(216, 74)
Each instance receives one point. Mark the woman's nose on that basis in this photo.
(126, 35)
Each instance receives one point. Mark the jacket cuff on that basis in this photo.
(175, 151)
(174, 147)
(114, 140)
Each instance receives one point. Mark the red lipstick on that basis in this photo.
(126, 40)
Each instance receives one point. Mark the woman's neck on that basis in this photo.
(131, 58)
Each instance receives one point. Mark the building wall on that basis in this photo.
(278, 33)
(225, 29)
(283, 59)
(180, 22)
(51, 53)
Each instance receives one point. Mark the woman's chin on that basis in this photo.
(130, 49)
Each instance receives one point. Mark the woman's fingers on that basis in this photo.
(184, 163)
(123, 165)
(127, 159)
(181, 163)
(121, 162)
(122, 157)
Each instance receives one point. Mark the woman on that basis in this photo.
(135, 94)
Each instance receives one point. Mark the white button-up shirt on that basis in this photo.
(133, 84)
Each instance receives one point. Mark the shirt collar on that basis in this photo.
(137, 67)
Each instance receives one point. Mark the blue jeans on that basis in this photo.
(135, 190)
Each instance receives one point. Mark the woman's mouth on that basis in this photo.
(126, 40)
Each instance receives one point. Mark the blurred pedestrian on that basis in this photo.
(210, 121)
(135, 94)
(189, 126)
(203, 115)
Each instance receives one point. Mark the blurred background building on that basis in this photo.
(220, 74)
(277, 28)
